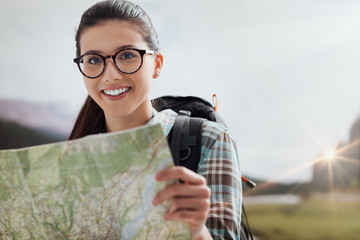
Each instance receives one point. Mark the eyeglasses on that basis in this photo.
(127, 61)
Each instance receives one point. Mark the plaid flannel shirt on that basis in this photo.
(220, 166)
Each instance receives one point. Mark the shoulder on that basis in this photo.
(217, 142)
(213, 131)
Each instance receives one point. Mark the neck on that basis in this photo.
(137, 118)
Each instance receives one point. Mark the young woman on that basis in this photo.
(118, 54)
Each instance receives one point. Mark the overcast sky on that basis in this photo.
(286, 72)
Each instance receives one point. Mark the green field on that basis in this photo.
(313, 219)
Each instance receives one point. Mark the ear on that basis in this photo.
(159, 60)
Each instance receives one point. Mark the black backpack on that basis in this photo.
(185, 137)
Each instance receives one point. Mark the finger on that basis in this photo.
(183, 191)
(181, 173)
(189, 216)
(194, 204)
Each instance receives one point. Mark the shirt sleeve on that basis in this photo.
(219, 164)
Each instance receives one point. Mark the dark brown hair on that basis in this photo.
(91, 119)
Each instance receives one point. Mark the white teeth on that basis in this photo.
(116, 91)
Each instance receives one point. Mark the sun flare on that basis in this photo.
(329, 155)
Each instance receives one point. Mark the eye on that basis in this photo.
(92, 60)
(127, 55)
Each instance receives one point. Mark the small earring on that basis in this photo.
(157, 74)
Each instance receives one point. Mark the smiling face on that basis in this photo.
(124, 98)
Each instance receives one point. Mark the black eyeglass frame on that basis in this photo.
(140, 51)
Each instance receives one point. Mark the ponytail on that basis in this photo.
(91, 120)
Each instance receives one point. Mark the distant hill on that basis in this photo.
(24, 124)
(54, 118)
(13, 135)
(344, 172)
(264, 187)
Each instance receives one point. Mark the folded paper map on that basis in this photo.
(97, 187)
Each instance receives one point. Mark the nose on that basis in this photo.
(111, 73)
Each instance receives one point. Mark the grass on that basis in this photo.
(313, 219)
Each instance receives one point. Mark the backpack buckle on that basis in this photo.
(185, 153)
(185, 113)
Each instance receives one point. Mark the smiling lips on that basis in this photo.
(116, 92)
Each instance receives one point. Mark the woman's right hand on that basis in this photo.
(190, 202)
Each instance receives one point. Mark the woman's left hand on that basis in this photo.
(190, 201)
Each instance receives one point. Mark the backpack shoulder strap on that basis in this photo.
(174, 138)
(185, 141)
(191, 145)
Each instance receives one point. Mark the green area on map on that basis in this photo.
(97, 187)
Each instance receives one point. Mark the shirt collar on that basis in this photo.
(166, 118)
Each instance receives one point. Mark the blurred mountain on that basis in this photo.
(264, 187)
(13, 135)
(343, 172)
(52, 118)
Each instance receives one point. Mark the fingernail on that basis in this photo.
(158, 177)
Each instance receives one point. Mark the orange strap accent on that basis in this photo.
(215, 102)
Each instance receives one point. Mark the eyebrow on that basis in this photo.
(116, 50)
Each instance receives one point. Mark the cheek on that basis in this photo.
(148, 75)
(149, 66)
(89, 85)
(147, 78)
